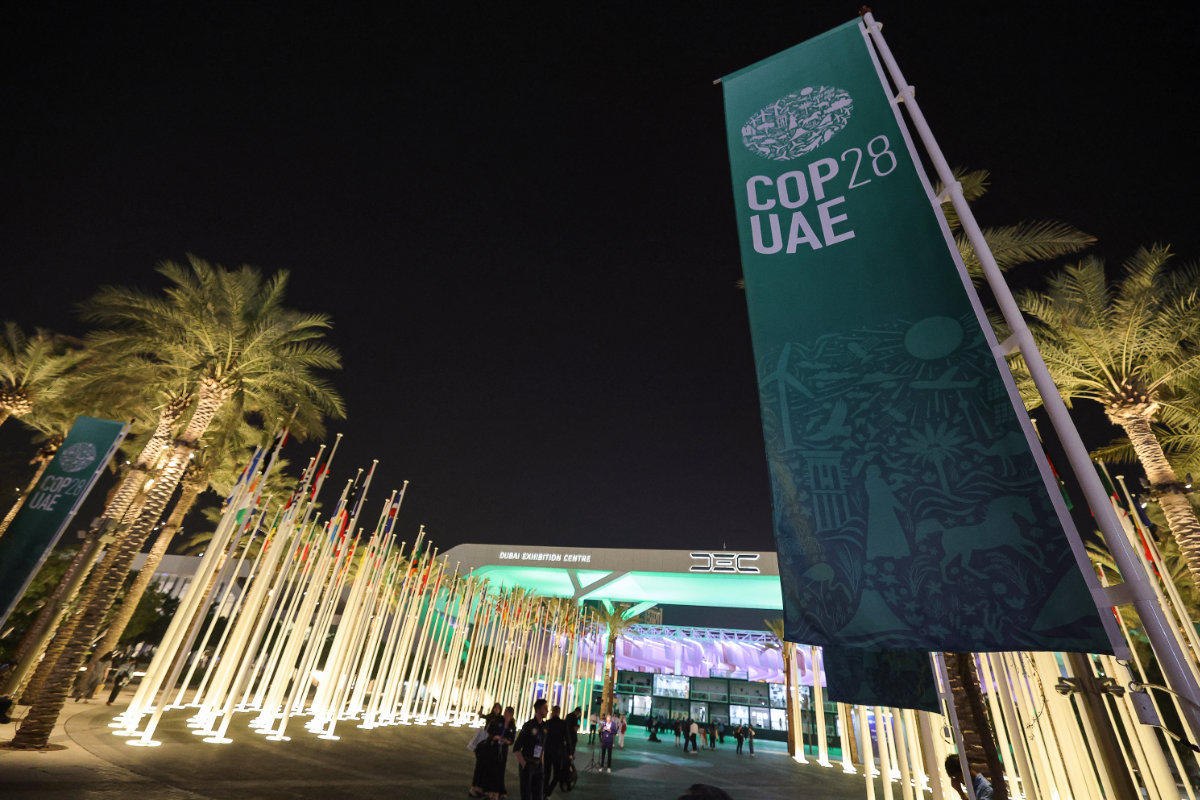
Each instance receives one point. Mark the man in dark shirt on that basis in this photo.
(556, 750)
(573, 721)
(529, 747)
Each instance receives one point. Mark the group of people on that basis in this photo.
(100, 673)
(544, 749)
(693, 734)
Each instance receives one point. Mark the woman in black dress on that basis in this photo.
(501, 732)
(484, 754)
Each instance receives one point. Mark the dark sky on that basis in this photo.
(521, 218)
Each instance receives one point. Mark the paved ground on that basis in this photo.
(400, 762)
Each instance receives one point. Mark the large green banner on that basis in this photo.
(910, 512)
(53, 503)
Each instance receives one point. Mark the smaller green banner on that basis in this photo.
(53, 503)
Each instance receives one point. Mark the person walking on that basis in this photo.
(721, 731)
(593, 723)
(750, 739)
(87, 684)
(530, 746)
(557, 753)
(678, 732)
(712, 736)
(622, 726)
(693, 732)
(121, 678)
(740, 736)
(608, 735)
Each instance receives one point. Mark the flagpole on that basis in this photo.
(1136, 588)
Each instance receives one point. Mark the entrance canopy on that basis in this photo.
(726, 579)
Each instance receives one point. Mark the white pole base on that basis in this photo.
(143, 743)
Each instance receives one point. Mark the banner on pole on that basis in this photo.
(909, 510)
(52, 504)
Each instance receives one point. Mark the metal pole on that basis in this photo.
(1137, 585)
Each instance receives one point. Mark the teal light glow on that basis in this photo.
(672, 588)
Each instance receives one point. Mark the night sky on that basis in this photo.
(521, 220)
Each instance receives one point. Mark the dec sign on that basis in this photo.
(725, 563)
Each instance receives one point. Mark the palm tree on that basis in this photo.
(788, 651)
(1134, 348)
(616, 622)
(1011, 245)
(225, 337)
(32, 368)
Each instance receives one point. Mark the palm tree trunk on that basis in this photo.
(976, 730)
(38, 725)
(610, 674)
(1164, 483)
(116, 626)
(4, 414)
(133, 483)
(43, 461)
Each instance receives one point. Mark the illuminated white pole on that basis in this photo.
(244, 643)
(278, 640)
(898, 740)
(868, 756)
(1061, 715)
(359, 704)
(230, 584)
(846, 724)
(397, 648)
(421, 640)
(1031, 703)
(470, 638)
(151, 682)
(448, 705)
(380, 652)
(885, 760)
(818, 669)
(932, 753)
(169, 683)
(1001, 683)
(438, 636)
(404, 625)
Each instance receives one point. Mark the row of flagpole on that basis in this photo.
(324, 623)
(332, 626)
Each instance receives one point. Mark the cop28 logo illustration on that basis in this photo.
(798, 123)
(77, 456)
